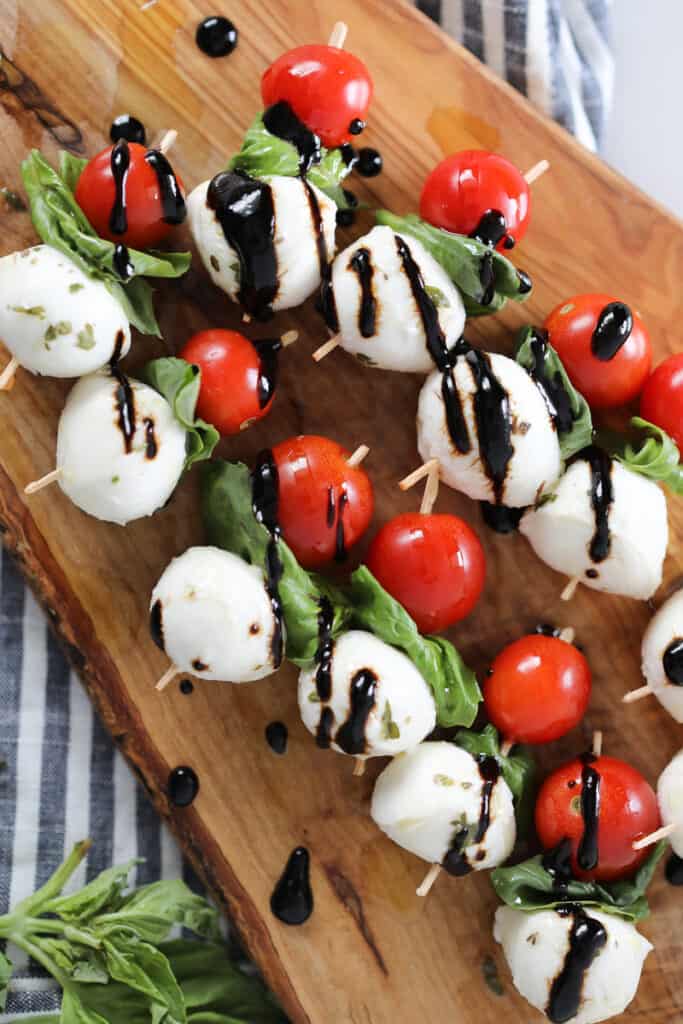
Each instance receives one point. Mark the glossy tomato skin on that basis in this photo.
(315, 487)
(466, 185)
(662, 399)
(327, 88)
(538, 689)
(96, 194)
(434, 565)
(628, 810)
(605, 384)
(231, 370)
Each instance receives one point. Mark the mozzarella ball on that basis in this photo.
(397, 339)
(535, 462)
(120, 455)
(561, 530)
(54, 319)
(536, 947)
(295, 241)
(425, 797)
(212, 614)
(662, 655)
(670, 798)
(379, 703)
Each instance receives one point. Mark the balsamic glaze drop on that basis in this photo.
(125, 405)
(340, 552)
(244, 208)
(552, 389)
(348, 154)
(587, 853)
(292, 898)
(119, 163)
(127, 127)
(455, 862)
(331, 507)
(357, 126)
(602, 496)
(121, 262)
(186, 687)
(183, 786)
(151, 445)
(118, 349)
(525, 283)
(672, 660)
(264, 499)
(276, 737)
(156, 625)
(586, 939)
(268, 350)
(361, 264)
(370, 162)
(546, 629)
(172, 199)
(491, 229)
(345, 218)
(493, 419)
(674, 870)
(351, 735)
(501, 518)
(487, 277)
(280, 120)
(612, 330)
(558, 863)
(216, 36)
(323, 736)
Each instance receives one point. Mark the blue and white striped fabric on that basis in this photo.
(62, 778)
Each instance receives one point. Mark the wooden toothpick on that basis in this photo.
(338, 35)
(360, 453)
(431, 491)
(168, 677)
(569, 591)
(634, 695)
(418, 474)
(567, 634)
(168, 141)
(535, 172)
(325, 349)
(505, 747)
(359, 766)
(45, 481)
(288, 338)
(428, 880)
(596, 746)
(7, 375)
(661, 833)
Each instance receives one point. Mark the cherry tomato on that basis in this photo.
(662, 399)
(538, 689)
(434, 565)
(607, 382)
(238, 384)
(324, 505)
(327, 88)
(476, 184)
(144, 211)
(627, 810)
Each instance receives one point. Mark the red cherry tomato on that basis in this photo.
(324, 505)
(662, 399)
(538, 689)
(434, 565)
(604, 383)
(236, 383)
(467, 185)
(627, 810)
(96, 196)
(327, 88)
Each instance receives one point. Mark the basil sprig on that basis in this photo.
(105, 947)
(528, 886)
(652, 454)
(518, 769)
(581, 432)
(179, 382)
(461, 257)
(362, 604)
(263, 155)
(61, 223)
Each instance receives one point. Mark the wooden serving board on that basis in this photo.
(372, 951)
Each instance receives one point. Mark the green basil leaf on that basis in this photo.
(103, 894)
(70, 168)
(75, 1011)
(454, 685)
(230, 524)
(518, 768)
(5, 976)
(61, 223)
(653, 454)
(328, 176)
(528, 886)
(216, 990)
(146, 970)
(461, 257)
(552, 369)
(179, 382)
(153, 910)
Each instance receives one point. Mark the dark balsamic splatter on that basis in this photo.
(276, 737)
(501, 518)
(264, 498)
(586, 939)
(125, 406)
(127, 127)
(557, 862)
(156, 625)
(186, 687)
(370, 162)
(216, 36)
(491, 229)
(183, 786)
(612, 331)
(292, 898)
(588, 853)
(361, 264)
(325, 651)
(602, 496)
(280, 120)
(674, 870)
(121, 262)
(172, 199)
(672, 661)
(455, 862)
(356, 126)
(151, 444)
(351, 734)
(268, 351)
(340, 552)
(120, 164)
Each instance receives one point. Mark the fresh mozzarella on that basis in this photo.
(54, 319)
(425, 797)
(659, 644)
(670, 798)
(561, 531)
(120, 450)
(398, 340)
(295, 241)
(536, 947)
(212, 614)
(535, 462)
(379, 703)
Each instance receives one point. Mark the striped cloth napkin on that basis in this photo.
(62, 778)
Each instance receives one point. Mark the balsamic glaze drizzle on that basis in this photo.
(361, 264)
(245, 210)
(455, 862)
(118, 349)
(151, 444)
(587, 853)
(586, 939)
(612, 330)
(127, 127)
(276, 737)
(602, 496)
(216, 36)
(672, 661)
(501, 518)
(340, 537)
(323, 736)
(323, 655)
(280, 120)
(183, 786)
(268, 350)
(156, 624)
(331, 507)
(125, 405)
(552, 389)
(351, 735)
(674, 870)
(264, 499)
(170, 193)
(292, 898)
(119, 163)
(525, 283)
(121, 262)
(493, 419)
(348, 154)
(492, 229)
(558, 863)
(369, 163)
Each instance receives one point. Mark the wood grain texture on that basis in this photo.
(372, 952)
